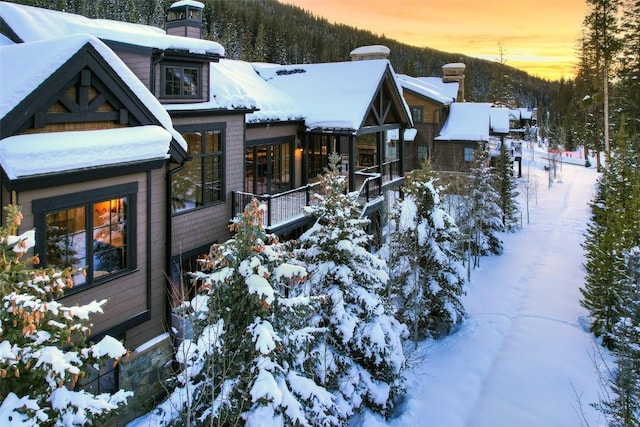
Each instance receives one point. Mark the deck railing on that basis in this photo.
(280, 207)
(288, 206)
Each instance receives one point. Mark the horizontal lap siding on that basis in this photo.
(157, 258)
(126, 296)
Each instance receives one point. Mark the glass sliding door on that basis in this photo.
(269, 167)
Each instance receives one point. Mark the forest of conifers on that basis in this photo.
(268, 31)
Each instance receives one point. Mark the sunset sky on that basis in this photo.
(539, 37)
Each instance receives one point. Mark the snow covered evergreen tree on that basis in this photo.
(249, 358)
(507, 188)
(614, 229)
(482, 212)
(360, 357)
(623, 408)
(426, 267)
(44, 355)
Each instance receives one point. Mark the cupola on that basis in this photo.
(184, 18)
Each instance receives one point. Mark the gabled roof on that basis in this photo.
(449, 89)
(150, 141)
(428, 90)
(467, 121)
(500, 120)
(335, 95)
(235, 85)
(33, 23)
(53, 54)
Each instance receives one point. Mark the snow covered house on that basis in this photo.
(348, 108)
(466, 130)
(429, 108)
(130, 149)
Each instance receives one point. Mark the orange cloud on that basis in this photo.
(538, 37)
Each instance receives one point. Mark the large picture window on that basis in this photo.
(199, 182)
(90, 232)
(179, 81)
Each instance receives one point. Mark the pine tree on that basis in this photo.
(482, 211)
(360, 356)
(614, 229)
(623, 408)
(249, 355)
(44, 355)
(426, 268)
(506, 187)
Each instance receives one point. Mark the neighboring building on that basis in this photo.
(467, 129)
(429, 99)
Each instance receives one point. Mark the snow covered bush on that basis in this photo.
(426, 268)
(43, 351)
(249, 360)
(360, 356)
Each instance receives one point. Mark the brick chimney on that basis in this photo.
(454, 72)
(363, 53)
(184, 18)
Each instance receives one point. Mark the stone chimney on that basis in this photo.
(454, 72)
(184, 18)
(363, 53)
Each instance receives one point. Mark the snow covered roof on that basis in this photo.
(52, 54)
(500, 120)
(409, 135)
(33, 23)
(427, 89)
(46, 153)
(468, 121)
(192, 3)
(448, 89)
(526, 114)
(333, 95)
(237, 85)
(5, 41)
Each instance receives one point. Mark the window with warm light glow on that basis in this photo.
(91, 236)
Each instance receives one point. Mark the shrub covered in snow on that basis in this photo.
(43, 351)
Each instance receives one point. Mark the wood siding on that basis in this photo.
(126, 296)
(194, 229)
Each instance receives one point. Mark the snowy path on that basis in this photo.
(521, 358)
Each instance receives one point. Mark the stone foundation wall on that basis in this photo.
(144, 372)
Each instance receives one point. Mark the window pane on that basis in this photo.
(212, 179)
(190, 81)
(109, 236)
(66, 241)
(194, 142)
(212, 142)
(172, 81)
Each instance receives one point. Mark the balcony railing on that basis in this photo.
(280, 208)
(288, 206)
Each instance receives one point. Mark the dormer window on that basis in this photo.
(181, 81)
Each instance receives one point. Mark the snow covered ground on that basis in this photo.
(523, 356)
